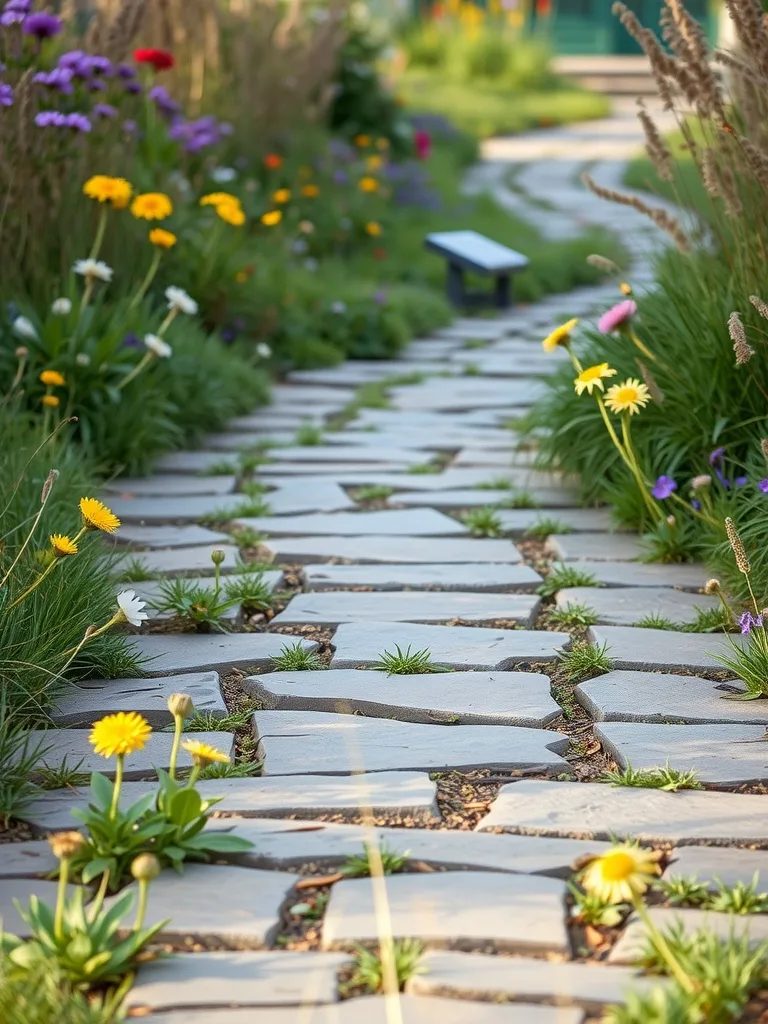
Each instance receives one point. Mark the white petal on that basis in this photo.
(131, 606)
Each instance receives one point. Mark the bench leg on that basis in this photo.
(503, 292)
(455, 285)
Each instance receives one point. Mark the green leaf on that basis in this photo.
(220, 842)
(174, 854)
(96, 867)
(102, 790)
(185, 807)
(139, 808)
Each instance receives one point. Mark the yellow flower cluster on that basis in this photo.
(368, 184)
(227, 206)
(102, 188)
(162, 239)
(51, 379)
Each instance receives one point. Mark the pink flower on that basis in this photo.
(615, 318)
(423, 143)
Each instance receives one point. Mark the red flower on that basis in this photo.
(379, 253)
(273, 161)
(160, 60)
(423, 143)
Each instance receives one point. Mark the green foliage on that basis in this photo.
(683, 891)
(518, 499)
(575, 614)
(589, 908)
(373, 492)
(584, 659)
(39, 995)
(358, 865)
(134, 570)
(242, 768)
(308, 434)
(20, 757)
(664, 777)
(546, 526)
(739, 898)
(656, 621)
(63, 775)
(368, 972)
(295, 658)
(206, 606)
(663, 1004)
(406, 662)
(483, 522)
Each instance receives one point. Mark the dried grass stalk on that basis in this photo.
(738, 336)
(660, 217)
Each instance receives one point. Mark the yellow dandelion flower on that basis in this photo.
(104, 189)
(96, 515)
(625, 289)
(51, 401)
(362, 141)
(120, 734)
(373, 228)
(271, 217)
(310, 191)
(560, 336)
(631, 396)
(231, 213)
(593, 377)
(152, 206)
(53, 378)
(203, 753)
(62, 546)
(162, 239)
(283, 195)
(368, 184)
(621, 874)
(373, 163)
(215, 198)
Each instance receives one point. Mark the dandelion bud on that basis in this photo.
(704, 480)
(66, 844)
(712, 587)
(145, 867)
(218, 556)
(61, 307)
(21, 352)
(738, 336)
(180, 705)
(50, 480)
(625, 288)
(671, 520)
(742, 562)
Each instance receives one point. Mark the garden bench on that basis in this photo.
(469, 250)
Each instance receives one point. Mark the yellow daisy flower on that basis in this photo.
(271, 218)
(560, 336)
(203, 754)
(53, 378)
(51, 401)
(152, 206)
(630, 396)
(282, 195)
(162, 239)
(231, 213)
(373, 228)
(214, 198)
(96, 515)
(592, 377)
(120, 734)
(62, 546)
(310, 191)
(368, 184)
(625, 289)
(621, 874)
(104, 189)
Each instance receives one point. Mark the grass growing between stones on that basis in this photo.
(309, 435)
(294, 658)
(739, 898)
(368, 972)
(708, 620)
(224, 467)
(483, 522)
(562, 576)
(573, 615)
(585, 659)
(134, 570)
(406, 662)
(42, 996)
(204, 607)
(545, 526)
(358, 865)
(62, 775)
(372, 492)
(671, 780)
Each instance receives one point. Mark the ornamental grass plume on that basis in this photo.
(741, 347)
(742, 562)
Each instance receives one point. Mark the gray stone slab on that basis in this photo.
(232, 442)
(407, 794)
(633, 940)
(291, 844)
(630, 647)
(643, 574)
(169, 536)
(599, 811)
(371, 1009)
(556, 498)
(173, 652)
(609, 547)
(721, 754)
(490, 698)
(85, 702)
(335, 470)
(626, 696)
(447, 438)
(459, 393)
(25, 860)
(471, 976)
(396, 477)
(228, 979)
(166, 485)
(625, 606)
(297, 396)
(417, 522)
(179, 561)
(504, 460)
(194, 462)
(461, 647)
(518, 520)
(330, 453)
(710, 864)
(283, 417)
(332, 607)
(298, 497)
(417, 550)
(292, 741)
(184, 508)
(239, 906)
(518, 913)
(13, 889)
(71, 746)
(478, 578)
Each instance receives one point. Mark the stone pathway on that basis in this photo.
(481, 773)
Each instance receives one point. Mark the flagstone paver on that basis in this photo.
(429, 576)
(445, 550)
(650, 649)
(170, 653)
(712, 864)
(168, 485)
(642, 574)
(520, 913)
(461, 647)
(455, 394)
(494, 698)
(196, 462)
(170, 536)
(290, 741)
(611, 547)
(153, 590)
(626, 606)
(27, 859)
(417, 522)
(330, 453)
(178, 561)
(513, 519)
(633, 940)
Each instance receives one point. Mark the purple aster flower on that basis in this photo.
(748, 622)
(718, 453)
(340, 177)
(100, 65)
(25, 6)
(58, 78)
(763, 486)
(134, 87)
(125, 71)
(6, 95)
(42, 25)
(663, 487)
(104, 110)
(78, 122)
(696, 504)
(159, 96)
(131, 341)
(12, 18)
(71, 59)
(97, 85)
(380, 298)
(740, 481)
(225, 128)
(48, 118)
(130, 127)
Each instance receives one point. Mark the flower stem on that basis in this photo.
(144, 361)
(99, 239)
(178, 726)
(117, 787)
(150, 276)
(35, 585)
(61, 896)
(100, 894)
(643, 348)
(142, 909)
(25, 545)
(662, 947)
(172, 314)
(641, 482)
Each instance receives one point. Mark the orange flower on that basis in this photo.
(362, 141)
(283, 195)
(310, 191)
(271, 218)
(368, 184)
(273, 161)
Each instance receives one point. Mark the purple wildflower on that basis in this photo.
(97, 85)
(696, 504)
(19, 5)
(740, 481)
(48, 118)
(380, 298)
(58, 78)
(131, 341)
(763, 486)
(6, 95)
(134, 87)
(100, 65)
(42, 25)
(78, 122)
(72, 59)
(159, 96)
(340, 177)
(718, 453)
(663, 487)
(130, 127)
(104, 110)
(748, 622)
(125, 71)
(12, 18)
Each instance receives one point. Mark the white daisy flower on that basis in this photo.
(178, 299)
(96, 270)
(61, 307)
(157, 346)
(338, 307)
(131, 607)
(82, 359)
(24, 328)
(263, 351)
(223, 175)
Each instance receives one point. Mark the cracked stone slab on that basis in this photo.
(609, 547)
(648, 649)
(461, 647)
(83, 703)
(711, 863)
(12, 889)
(720, 754)
(476, 578)
(642, 574)
(171, 653)
(467, 393)
(492, 698)
(169, 485)
(599, 811)
(290, 844)
(626, 696)
(172, 509)
(177, 561)
(297, 497)
(371, 1009)
(633, 940)
(223, 902)
(393, 549)
(290, 741)
(494, 978)
(333, 607)
(169, 536)
(339, 453)
(231, 978)
(625, 606)
(479, 497)
(71, 746)
(417, 522)
(405, 794)
(516, 913)
(25, 860)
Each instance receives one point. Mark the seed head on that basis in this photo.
(712, 587)
(764, 448)
(180, 705)
(738, 335)
(145, 867)
(21, 352)
(760, 305)
(704, 480)
(742, 562)
(50, 480)
(66, 844)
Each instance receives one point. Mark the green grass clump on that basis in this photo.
(359, 865)
(584, 659)
(563, 576)
(406, 662)
(483, 522)
(373, 492)
(546, 526)
(368, 972)
(669, 779)
(573, 615)
(519, 499)
(309, 435)
(294, 658)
